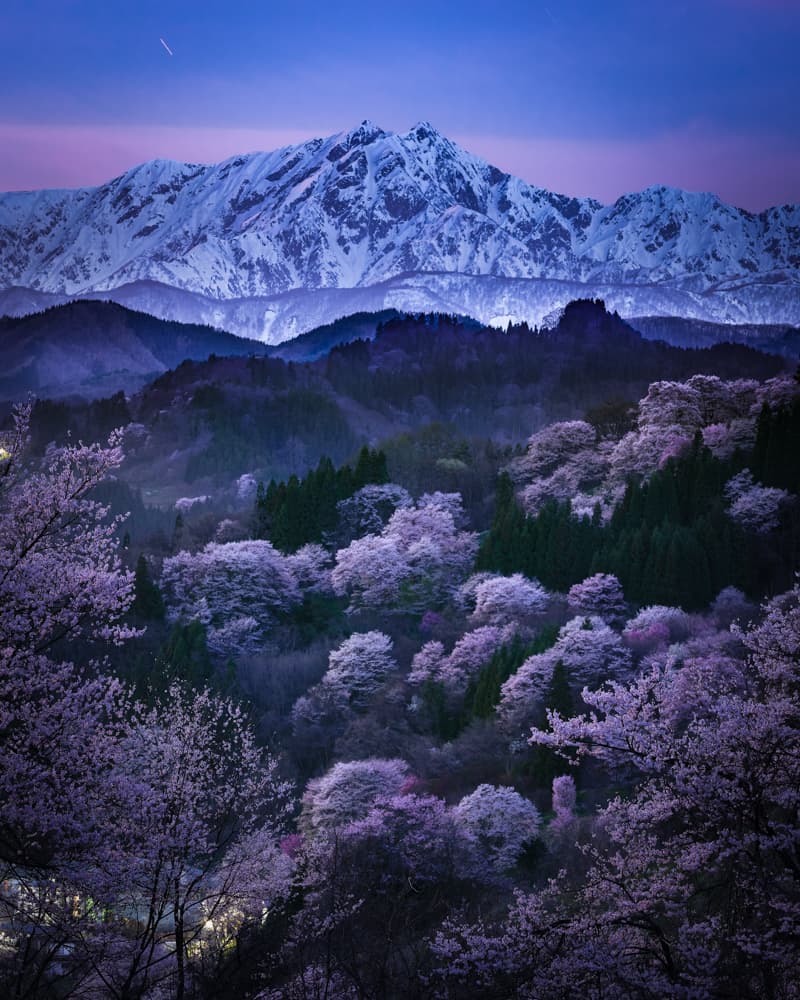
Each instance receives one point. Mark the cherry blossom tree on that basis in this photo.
(755, 507)
(60, 571)
(358, 666)
(60, 726)
(729, 606)
(647, 638)
(554, 445)
(181, 854)
(471, 652)
(356, 669)
(60, 578)
(672, 412)
(590, 651)
(311, 567)
(582, 479)
(562, 461)
(367, 511)
(372, 891)
(123, 830)
(348, 790)
(655, 625)
(722, 401)
(203, 853)
(504, 600)
(424, 836)
(603, 502)
(418, 561)
(464, 598)
(725, 439)
(718, 799)
(500, 822)
(641, 452)
(315, 982)
(776, 392)
(184, 504)
(672, 404)
(229, 530)
(691, 886)
(371, 571)
(236, 637)
(599, 595)
(521, 696)
(564, 821)
(451, 503)
(246, 488)
(233, 583)
(668, 417)
(427, 663)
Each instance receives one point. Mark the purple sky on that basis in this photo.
(580, 97)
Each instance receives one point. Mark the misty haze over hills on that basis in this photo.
(270, 245)
(93, 349)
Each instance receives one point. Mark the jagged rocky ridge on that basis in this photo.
(272, 244)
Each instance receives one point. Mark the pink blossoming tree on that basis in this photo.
(124, 830)
(691, 888)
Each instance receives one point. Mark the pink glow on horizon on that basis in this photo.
(66, 156)
(736, 169)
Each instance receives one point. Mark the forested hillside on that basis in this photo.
(97, 348)
(445, 393)
(453, 663)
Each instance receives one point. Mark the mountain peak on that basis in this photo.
(364, 207)
(364, 133)
(424, 132)
(666, 193)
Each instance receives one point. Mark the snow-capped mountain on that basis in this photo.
(271, 244)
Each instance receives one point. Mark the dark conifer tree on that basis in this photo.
(148, 602)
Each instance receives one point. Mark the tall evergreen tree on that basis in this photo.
(148, 602)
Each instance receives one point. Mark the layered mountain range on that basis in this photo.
(269, 245)
(96, 348)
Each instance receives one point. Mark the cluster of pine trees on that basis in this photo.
(57, 420)
(554, 546)
(776, 455)
(293, 513)
(591, 357)
(670, 540)
(482, 695)
(245, 428)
